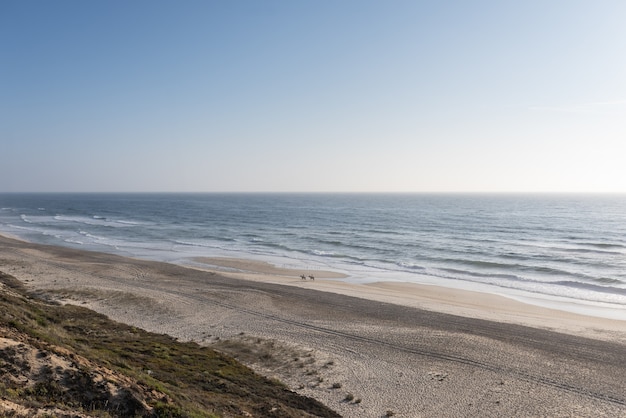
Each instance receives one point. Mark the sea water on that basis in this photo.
(566, 251)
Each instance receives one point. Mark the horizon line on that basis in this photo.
(474, 192)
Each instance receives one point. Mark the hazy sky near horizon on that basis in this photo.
(485, 96)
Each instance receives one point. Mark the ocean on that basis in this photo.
(563, 251)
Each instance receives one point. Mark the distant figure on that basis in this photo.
(311, 277)
(303, 277)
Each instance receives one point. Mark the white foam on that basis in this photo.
(323, 253)
(96, 221)
(74, 241)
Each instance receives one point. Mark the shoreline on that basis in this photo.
(480, 305)
(231, 263)
(380, 344)
(433, 297)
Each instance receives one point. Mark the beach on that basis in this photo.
(364, 350)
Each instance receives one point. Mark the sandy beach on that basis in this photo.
(363, 350)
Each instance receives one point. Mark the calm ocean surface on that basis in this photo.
(566, 251)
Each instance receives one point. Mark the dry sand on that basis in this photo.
(361, 349)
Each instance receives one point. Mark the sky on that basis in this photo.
(313, 96)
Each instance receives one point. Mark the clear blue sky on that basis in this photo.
(313, 95)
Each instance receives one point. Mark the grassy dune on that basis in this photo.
(67, 361)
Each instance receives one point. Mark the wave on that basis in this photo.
(590, 251)
(324, 253)
(465, 273)
(253, 238)
(90, 235)
(603, 245)
(609, 280)
(593, 287)
(532, 272)
(204, 244)
(533, 246)
(333, 243)
(564, 288)
(96, 221)
(125, 222)
(269, 244)
(26, 228)
(589, 241)
(73, 241)
(410, 266)
(384, 232)
(474, 263)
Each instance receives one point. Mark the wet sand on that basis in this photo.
(361, 349)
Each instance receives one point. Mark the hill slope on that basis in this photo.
(70, 361)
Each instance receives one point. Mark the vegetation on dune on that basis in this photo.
(71, 361)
